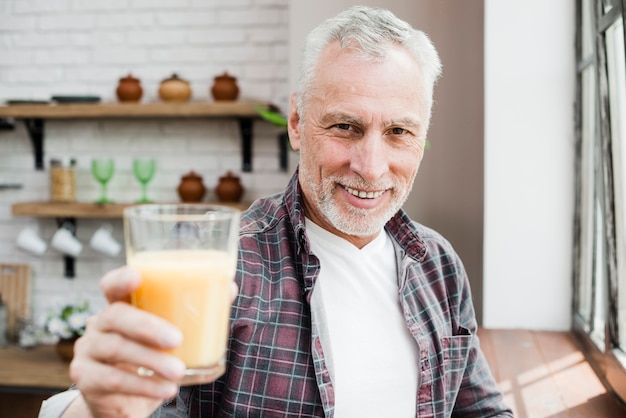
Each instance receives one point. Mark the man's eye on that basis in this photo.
(343, 126)
(398, 131)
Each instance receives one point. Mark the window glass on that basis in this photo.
(587, 196)
(600, 291)
(599, 280)
(587, 34)
(617, 103)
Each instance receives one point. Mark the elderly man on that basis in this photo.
(345, 306)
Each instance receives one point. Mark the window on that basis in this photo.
(600, 269)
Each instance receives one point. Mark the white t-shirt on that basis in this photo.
(371, 356)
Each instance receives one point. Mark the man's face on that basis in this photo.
(361, 141)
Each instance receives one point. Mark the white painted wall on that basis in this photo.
(529, 160)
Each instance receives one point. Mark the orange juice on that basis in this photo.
(192, 290)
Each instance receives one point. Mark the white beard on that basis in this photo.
(353, 221)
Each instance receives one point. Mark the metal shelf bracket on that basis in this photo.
(35, 128)
(70, 262)
(245, 129)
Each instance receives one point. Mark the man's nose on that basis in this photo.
(370, 157)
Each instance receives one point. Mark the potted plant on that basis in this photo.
(67, 324)
(272, 114)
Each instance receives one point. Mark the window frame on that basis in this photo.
(605, 356)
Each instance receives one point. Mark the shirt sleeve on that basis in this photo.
(479, 395)
(54, 406)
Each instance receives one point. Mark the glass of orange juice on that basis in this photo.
(187, 257)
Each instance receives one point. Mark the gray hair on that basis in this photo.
(369, 31)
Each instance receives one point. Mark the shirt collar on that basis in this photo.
(295, 209)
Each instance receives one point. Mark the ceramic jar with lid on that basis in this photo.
(129, 89)
(191, 188)
(225, 88)
(229, 188)
(174, 89)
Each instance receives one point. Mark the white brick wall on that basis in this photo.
(50, 47)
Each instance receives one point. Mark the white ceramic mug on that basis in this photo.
(64, 241)
(102, 241)
(28, 239)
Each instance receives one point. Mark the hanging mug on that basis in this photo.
(64, 241)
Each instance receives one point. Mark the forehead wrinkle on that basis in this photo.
(406, 122)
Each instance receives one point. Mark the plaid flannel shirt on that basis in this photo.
(275, 361)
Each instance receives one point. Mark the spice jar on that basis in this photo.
(26, 332)
(62, 180)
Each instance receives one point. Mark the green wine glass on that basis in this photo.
(102, 170)
(144, 169)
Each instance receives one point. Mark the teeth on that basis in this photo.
(364, 195)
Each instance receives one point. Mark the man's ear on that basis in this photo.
(293, 124)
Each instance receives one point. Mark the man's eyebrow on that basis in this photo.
(408, 121)
(340, 117)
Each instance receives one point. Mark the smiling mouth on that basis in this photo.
(363, 194)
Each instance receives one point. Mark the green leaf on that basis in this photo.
(275, 118)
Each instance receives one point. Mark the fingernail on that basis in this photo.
(171, 337)
(126, 279)
(173, 368)
(130, 276)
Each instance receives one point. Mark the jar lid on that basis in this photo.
(229, 175)
(225, 76)
(130, 78)
(63, 162)
(192, 175)
(175, 77)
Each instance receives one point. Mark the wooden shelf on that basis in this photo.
(83, 210)
(244, 112)
(68, 210)
(39, 367)
(132, 110)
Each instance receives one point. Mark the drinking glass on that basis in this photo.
(187, 257)
(102, 170)
(144, 169)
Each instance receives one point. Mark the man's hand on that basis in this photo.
(117, 342)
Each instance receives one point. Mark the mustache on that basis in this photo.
(359, 183)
